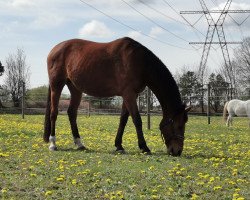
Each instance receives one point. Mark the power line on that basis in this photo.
(149, 19)
(192, 25)
(130, 27)
(238, 25)
(188, 23)
(163, 14)
(235, 11)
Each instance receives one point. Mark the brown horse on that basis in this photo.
(123, 68)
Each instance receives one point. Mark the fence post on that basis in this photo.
(89, 108)
(23, 98)
(139, 103)
(148, 108)
(208, 103)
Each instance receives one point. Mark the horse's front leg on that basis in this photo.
(122, 124)
(227, 123)
(130, 102)
(229, 120)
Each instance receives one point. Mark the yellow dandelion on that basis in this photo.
(211, 179)
(33, 175)
(235, 172)
(74, 182)
(47, 193)
(154, 191)
(155, 196)
(4, 190)
(194, 196)
(217, 187)
(241, 198)
(200, 183)
(231, 182)
(4, 155)
(235, 195)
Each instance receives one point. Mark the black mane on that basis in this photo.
(162, 83)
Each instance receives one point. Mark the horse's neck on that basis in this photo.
(165, 89)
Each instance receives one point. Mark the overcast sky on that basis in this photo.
(37, 25)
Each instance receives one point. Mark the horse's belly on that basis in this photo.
(100, 91)
(240, 111)
(99, 87)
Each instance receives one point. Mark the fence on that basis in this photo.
(207, 103)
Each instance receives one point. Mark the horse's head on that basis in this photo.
(172, 131)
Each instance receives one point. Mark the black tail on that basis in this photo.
(47, 123)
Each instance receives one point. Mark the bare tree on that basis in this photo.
(1, 69)
(1, 88)
(17, 75)
(242, 63)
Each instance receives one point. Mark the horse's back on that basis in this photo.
(237, 107)
(98, 69)
(80, 45)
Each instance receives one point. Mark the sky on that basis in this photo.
(38, 25)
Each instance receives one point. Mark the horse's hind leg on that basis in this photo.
(229, 120)
(72, 113)
(123, 122)
(130, 102)
(55, 96)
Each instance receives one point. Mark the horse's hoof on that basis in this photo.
(53, 148)
(82, 148)
(146, 152)
(120, 151)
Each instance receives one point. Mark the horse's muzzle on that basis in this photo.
(174, 151)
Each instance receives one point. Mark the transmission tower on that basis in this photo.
(215, 26)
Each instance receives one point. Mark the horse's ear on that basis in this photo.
(187, 109)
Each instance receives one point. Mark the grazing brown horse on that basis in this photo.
(119, 68)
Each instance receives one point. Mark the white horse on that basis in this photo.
(236, 107)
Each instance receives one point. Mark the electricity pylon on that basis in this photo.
(215, 26)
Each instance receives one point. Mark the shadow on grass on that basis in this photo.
(114, 152)
(204, 156)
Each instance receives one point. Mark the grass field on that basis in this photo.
(214, 164)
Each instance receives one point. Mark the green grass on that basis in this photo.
(214, 163)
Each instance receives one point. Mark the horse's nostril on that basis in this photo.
(171, 151)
